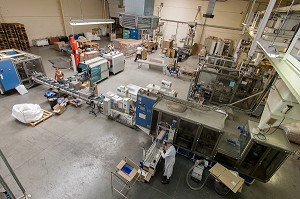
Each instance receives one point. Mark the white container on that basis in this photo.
(21, 89)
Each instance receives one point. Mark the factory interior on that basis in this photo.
(149, 99)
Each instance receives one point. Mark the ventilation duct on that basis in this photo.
(139, 14)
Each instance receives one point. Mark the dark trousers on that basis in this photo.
(138, 56)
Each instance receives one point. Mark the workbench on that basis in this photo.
(141, 62)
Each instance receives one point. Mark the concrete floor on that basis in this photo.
(71, 156)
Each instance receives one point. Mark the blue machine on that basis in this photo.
(144, 106)
(97, 68)
(9, 78)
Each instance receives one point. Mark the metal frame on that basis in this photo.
(20, 60)
(6, 187)
(124, 185)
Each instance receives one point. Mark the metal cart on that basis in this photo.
(120, 185)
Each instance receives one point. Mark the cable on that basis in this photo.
(187, 178)
(277, 127)
(261, 136)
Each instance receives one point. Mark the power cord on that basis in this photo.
(276, 127)
(187, 179)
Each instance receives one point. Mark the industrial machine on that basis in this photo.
(218, 46)
(17, 67)
(122, 109)
(224, 85)
(200, 131)
(97, 68)
(116, 61)
(206, 132)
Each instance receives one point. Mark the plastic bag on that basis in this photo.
(26, 113)
(293, 132)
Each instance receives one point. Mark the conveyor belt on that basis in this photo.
(64, 88)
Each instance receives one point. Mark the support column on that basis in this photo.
(261, 27)
(248, 18)
(62, 14)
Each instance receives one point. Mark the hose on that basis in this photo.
(188, 174)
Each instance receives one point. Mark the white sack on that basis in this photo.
(293, 132)
(27, 112)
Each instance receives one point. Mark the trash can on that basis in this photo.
(220, 188)
(52, 102)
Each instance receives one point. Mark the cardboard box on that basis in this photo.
(144, 175)
(58, 45)
(144, 54)
(133, 174)
(51, 40)
(227, 177)
(75, 103)
(167, 44)
(90, 55)
(59, 109)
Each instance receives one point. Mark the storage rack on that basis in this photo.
(13, 35)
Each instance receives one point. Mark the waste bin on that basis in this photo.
(52, 102)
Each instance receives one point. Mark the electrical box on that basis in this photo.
(9, 78)
(144, 106)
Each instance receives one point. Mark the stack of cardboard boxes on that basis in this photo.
(167, 49)
(127, 46)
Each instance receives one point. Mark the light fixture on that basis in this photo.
(83, 22)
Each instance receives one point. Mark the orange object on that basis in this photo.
(75, 52)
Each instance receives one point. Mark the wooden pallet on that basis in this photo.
(46, 115)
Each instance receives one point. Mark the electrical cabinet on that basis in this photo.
(9, 78)
(144, 106)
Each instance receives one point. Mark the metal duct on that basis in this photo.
(210, 9)
(139, 14)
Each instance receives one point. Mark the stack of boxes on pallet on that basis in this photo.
(15, 36)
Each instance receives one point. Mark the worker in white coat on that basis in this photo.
(169, 156)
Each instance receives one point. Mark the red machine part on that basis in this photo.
(74, 47)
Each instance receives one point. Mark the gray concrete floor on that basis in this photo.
(72, 155)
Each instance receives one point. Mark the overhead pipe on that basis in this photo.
(206, 25)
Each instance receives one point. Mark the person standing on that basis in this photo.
(59, 75)
(138, 53)
(169, 156)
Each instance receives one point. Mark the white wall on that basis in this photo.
(43, 18)
(228, 14)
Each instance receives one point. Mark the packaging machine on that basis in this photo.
(205, 132)
(17, 67)
(116, 61)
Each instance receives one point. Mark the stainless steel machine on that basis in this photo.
(206, 132)
(116, 61)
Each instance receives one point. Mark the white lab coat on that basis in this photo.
(169, 157)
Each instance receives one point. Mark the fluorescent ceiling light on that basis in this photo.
(84, 22)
